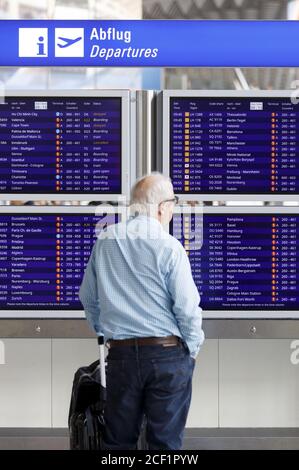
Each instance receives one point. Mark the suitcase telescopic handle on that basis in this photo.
(101, 343)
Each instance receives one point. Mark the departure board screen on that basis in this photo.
(234, 145)
(60, 145)
(245, 262)
(43, 258)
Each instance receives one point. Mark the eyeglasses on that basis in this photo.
(175, 199)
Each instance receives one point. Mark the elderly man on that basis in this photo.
(139, 293)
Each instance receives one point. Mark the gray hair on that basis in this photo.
(149, 191)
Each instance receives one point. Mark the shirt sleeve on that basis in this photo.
(186, 300)
(88, 294)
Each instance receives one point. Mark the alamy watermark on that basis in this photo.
(2, 353)
(295, 94)
(186, 224)
(295, 352)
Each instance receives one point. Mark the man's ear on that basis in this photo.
(160, 209)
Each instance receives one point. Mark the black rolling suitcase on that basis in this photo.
(86, 415)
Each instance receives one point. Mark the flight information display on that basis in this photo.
(245, 262)
(60, 145)
(43, 258)
(234, 145)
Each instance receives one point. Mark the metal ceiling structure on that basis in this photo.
(215, 9)
(227, 78)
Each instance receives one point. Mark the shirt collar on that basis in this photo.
(151, 220)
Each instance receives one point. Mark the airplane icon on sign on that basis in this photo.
(68, 42)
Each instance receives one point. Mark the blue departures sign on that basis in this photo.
(142, 43)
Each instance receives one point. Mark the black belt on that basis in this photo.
(150, 341)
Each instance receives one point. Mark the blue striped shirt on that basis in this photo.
(138, 283)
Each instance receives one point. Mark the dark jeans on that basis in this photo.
(151, 380)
